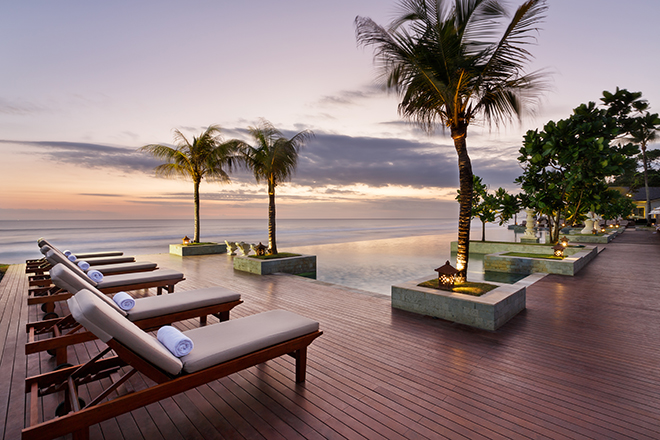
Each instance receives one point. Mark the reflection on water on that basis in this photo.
(375, 265)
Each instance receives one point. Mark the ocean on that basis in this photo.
(365, 254)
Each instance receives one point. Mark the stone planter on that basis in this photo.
(293, 265)
(488, 312)
(568, 266)
(490, 247)
(197, 249)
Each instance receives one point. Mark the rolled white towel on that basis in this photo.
(71, 257)
(175, 341)
(124, 301)
(67, 252)
(84, 265)
(95, 275)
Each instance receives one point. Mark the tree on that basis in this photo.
(453, 63)
(644, 131)
(206, 157)
(273, 159)
(565, 165)
(484, 205)
(637, 123)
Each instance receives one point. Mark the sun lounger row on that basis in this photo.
(212, 351)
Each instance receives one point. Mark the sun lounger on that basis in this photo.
(35, 263)
(55, 257)
(219, 350)
(161, 279)
(44, 265)
(148, 313)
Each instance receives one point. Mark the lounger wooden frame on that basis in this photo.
(50, 295)
(43, 279)
(66, 331)
(79, 419)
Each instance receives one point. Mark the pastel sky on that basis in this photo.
(83, 84)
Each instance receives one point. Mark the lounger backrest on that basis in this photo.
(43, 242)
(64, 278)
(55, 257)
(100, 319)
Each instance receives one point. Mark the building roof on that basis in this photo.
(640, 194)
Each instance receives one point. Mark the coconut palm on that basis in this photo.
(644, 131)
(452, 63)
(205, 157)
(273, 159)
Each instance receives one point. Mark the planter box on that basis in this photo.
(292, 265)
(488, 312)
(568, 266)
(490, 247)
(197, 249)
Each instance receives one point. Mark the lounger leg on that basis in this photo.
(223, 316)
(202, 320)
(61, 355)
(82, 434)
(159, 290)
(301, 364)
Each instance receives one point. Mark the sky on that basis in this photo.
(84, 84)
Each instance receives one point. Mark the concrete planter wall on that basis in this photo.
(489, 247)
(489, 311)
(197, 249)
(292, 265)
(568, 266)
(606, 238)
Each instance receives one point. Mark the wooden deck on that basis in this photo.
(583, 361)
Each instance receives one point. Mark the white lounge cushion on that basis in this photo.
(102, 320)
(127, 279)
(228, 340)
(152, 306)
(64, 278)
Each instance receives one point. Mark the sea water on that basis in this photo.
(366, 254)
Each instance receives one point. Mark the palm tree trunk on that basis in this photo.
(483, 230)
(646, 182)
(465, 200)
(272, 245)
(196, 197)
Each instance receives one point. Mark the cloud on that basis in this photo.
(351, 97)
(101, 195)
(19, 107)
(93, 155)
(328, 160)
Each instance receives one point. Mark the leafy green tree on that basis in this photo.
(565, 165)
(452, 62)
(273, 159)
(637, 123)
(205, 157)
(509, 205)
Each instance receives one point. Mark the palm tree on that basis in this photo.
(645, 130)
(206, 157)
(274, 159)
(451, 63)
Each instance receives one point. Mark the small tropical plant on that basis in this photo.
(205, 157)
(272, 159)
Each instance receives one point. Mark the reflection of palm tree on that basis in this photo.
(644, 131)
(207, 156)
(452, 64)
(273, 159)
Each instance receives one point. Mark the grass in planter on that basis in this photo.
(274, 256)
(528, 255)
(467, 288)
(3, 269)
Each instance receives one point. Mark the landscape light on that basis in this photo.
(446, 276)
(260, 249)
(564, 241)
(185, 240)
(559, 250)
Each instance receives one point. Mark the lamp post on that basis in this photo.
(446, 276)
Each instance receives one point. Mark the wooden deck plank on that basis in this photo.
(580, 362)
